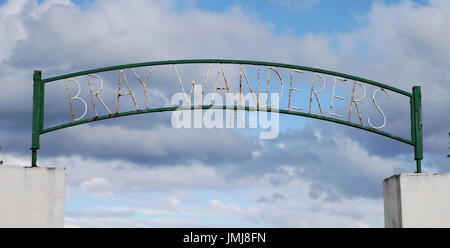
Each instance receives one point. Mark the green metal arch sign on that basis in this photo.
(40, 84)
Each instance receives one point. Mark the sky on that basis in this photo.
(140, 171)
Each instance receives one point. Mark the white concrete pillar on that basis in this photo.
(32, 197)
(417, 200)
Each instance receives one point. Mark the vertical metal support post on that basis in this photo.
(416, 126)
(37, 124)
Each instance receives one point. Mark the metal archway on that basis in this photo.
(39, 92)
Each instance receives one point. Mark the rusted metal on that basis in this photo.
(256, 98)
(227, 88)
(315, 93)
(378, 107)
(181, 86)
(77, 97)
(356, 102)
(205, 83)
(293, 89)
(70, 100)
(267, 90)
(334, 96)
(144, 85)
(96, 93)
(130, 93)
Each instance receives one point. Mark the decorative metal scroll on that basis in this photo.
(317, 85)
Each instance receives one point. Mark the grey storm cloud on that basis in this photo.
(270, 199)
(153, 146)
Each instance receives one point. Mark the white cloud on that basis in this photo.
(358, 157)
(126, 177)
(403, 45)
(98, 186)
(11, 25)
(120, 32)
(256, 154)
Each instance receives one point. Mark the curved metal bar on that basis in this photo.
(226, 61)
(178, 108)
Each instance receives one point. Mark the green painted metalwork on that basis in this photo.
(38, 121)
(39, 88)
(246, 108)
(418, 147)
(226, 61)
